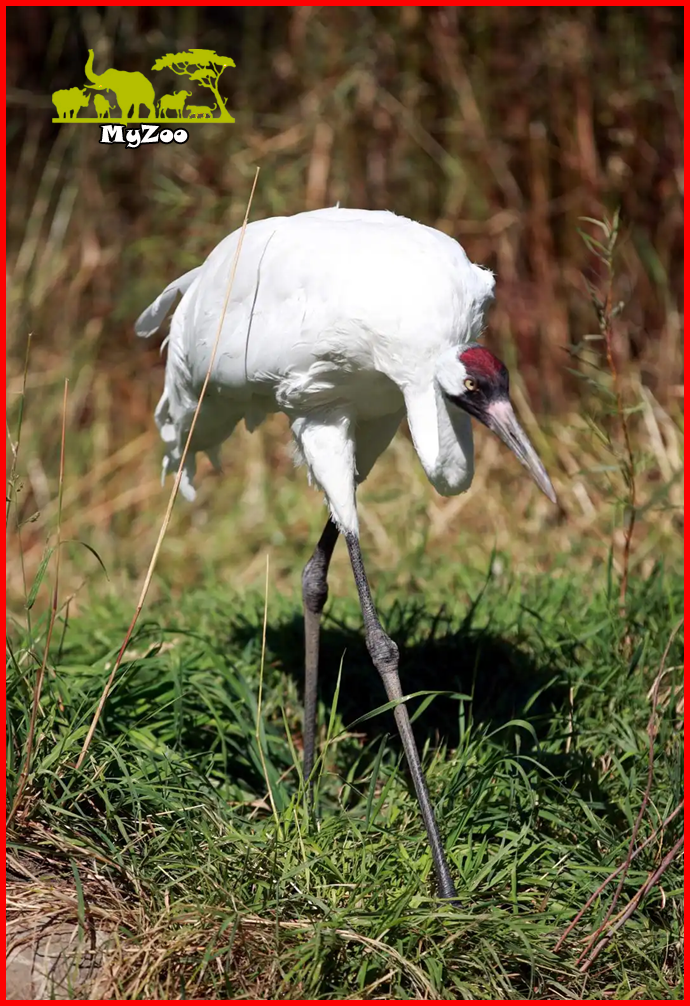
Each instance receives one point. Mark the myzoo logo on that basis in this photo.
(121, 97)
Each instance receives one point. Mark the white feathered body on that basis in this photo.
(339, 319)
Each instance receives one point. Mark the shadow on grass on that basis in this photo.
(499, 677)
(501, 680)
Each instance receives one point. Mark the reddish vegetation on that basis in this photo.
(502, 126)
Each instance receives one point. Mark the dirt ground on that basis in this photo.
(46, 956)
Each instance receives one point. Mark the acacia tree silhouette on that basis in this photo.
(209, 68)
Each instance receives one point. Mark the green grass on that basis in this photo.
(188, 830)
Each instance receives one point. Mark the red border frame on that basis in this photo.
(3, 182)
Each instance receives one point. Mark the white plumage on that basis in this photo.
(345, 320)
(340, 318)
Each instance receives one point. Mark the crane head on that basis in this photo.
(477, 382)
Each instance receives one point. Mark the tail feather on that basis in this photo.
(150, 320)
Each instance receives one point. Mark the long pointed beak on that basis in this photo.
(502, 420)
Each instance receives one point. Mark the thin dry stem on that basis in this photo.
(651, 731)
(649, 883)
(14, 445)
(174, 491)
(51, 624)
(614, 873)
(606, 325)
(632, 853)
(12, 484)
(260, 699)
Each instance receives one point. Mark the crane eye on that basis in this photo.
(470, 384)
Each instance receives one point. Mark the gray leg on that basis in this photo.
(314, 597)
(384, 654)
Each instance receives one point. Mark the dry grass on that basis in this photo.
(260, 501)
(500, 126)
(139, 957)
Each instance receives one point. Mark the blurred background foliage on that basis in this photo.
(501, 126)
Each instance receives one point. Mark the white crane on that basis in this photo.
(346, 321)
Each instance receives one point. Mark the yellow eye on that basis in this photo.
(470, 384)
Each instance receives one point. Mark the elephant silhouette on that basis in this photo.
(200, 111)
(103, 106)
(69, 101)
(131, 89)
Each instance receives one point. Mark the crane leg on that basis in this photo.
(384, 654)
(314, 597)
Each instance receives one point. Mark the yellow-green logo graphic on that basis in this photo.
(128, 96)
(204, 68)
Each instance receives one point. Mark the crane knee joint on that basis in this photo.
(314, 585)
(384, 652)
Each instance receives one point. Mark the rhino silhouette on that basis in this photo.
(68, 102)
